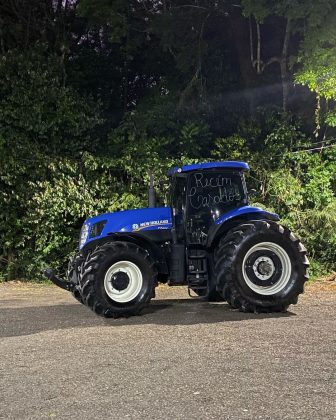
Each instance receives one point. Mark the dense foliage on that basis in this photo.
(95, 95)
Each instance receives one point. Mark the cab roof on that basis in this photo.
(241, 166)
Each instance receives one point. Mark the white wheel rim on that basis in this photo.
(134, 286)
(285, 264)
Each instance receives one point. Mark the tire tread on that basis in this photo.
(225, 255)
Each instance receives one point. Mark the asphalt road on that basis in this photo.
(182, 359)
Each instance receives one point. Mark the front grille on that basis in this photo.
(97, 229)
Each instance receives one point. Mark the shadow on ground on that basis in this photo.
(19, 321)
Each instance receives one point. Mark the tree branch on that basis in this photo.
(283, 66)
(286, 39)
(259, 71)
(251, 41)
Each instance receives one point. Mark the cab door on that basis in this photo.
(178, 204)
(177, 260)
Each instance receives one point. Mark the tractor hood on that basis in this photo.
(125, 221)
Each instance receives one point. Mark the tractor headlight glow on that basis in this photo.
(83, 235)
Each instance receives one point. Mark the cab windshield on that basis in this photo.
(211, 194)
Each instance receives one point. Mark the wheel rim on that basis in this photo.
(123, 281)
(267, 268)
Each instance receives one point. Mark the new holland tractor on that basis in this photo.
(209, 239)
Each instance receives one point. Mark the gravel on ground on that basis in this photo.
(181, 359)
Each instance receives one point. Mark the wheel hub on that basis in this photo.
(120, 280)
(263, 268)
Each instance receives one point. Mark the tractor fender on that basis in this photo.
(234, 218)
(144, 239)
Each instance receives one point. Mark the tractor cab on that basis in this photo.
(203, 193)
(201, 196)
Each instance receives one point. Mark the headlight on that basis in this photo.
(83, 235)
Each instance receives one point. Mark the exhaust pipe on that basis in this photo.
(151, 192)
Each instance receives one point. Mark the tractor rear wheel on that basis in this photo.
(118, 279)
(261, 267)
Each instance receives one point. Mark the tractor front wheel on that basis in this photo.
(118, 279)
(73, 274)
(261, 267)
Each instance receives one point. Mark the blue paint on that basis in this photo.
(132, 221)
(246, 210)
(242, 166)
(161, 217)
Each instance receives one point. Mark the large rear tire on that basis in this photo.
(261, 267)
(118, 279)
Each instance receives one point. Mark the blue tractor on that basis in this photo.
(209, 239)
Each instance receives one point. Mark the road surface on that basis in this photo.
(182, 359)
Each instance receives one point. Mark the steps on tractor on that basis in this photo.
(197, 256)
(197, 274)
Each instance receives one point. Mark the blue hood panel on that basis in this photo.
(132, 221)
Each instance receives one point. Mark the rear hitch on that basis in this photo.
(66, 285)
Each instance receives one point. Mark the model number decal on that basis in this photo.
(144, 225)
